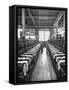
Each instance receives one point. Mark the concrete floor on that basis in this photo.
(43, 69)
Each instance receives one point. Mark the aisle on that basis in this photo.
(43, 69)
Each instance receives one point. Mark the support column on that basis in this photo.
(37, 34)
(51, 33)
(23, 21)
(64, 19)
(64, 23)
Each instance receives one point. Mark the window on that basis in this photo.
(44, 35)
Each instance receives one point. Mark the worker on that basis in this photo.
(24, 69)
(41, 47)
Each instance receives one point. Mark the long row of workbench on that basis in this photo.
(26, 61)
(59, 61)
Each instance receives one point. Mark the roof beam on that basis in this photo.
(31, 16)
(43, 18)
(58, 17)
(39, 27)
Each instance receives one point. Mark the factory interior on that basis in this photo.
(41, 45)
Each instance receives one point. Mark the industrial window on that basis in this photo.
(44, 35)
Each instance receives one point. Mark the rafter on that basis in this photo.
(31, 16)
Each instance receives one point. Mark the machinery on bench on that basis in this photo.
(58, 59)
(60, 63)
(26, 60)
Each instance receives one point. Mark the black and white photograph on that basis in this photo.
(41, 45)
(39, 50)
(34, 44)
